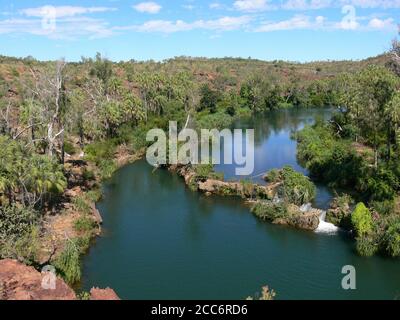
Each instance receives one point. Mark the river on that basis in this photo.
(162, 241)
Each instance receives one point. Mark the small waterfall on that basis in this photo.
(306, 207)
(325, 227)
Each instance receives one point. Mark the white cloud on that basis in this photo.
(188, 7)
(322, 4)
(383, 4)
(376, 23)
(215, 5)
(306, 4)
(297, 22)
(148, 7)
(62, 11)
(166, 26)
(68, 28)
(252, 5)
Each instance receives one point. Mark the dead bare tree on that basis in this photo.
(48, 95)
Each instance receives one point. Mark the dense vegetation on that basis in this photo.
(51, 112)
(359, 151)
(295, 187)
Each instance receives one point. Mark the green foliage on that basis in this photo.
(84, 296)
(100, 151)
(248, 189)
(88, 175)
(209, 99)
(16, 221)
(94, 195)
(19, 233)
(385, 207)
(297, 188)
(336, 162)
(69, 148)
(392, 238)
(340, 213)
(33, 178)
(367, 245)
(327, 158)
(273, 176)
(217, 120)
(206, 171)
(81, 204)
(362, 221)
(85, 224)
(269, 211)
(107, 168)
(102, 69)
(68, 263)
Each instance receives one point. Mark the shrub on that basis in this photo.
(69, 148)
(206, 171)
(273, 176)
(385, 207)
(107, 169)
(68, 263)
(214, 121)
(361, 220)
(297, 188)
(266, 210)
(84, 296)
(81, 204)
(94, 195)
(248, 189)
(88, 175)
(100, 151)
(340, 213)
(25, 248)
(392, 239)
(367, 246)
(85, 224)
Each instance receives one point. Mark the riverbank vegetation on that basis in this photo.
(359, 150)
(64, 127)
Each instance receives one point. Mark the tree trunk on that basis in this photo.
(62, 147)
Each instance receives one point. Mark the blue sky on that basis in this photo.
(297, 30)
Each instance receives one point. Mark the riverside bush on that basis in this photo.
(392, 239)
(297, 188)
(269, 211)
(367, 246)
(19, 233)
(361, 219)
(16, 222)
(68, 263)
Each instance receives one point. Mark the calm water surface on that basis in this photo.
(162, 241)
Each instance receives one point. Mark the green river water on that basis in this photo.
(162, 241)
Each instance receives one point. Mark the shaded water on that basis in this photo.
(162, 241)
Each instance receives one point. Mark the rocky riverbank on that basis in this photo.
(74, 220)
(20, 282)
(253, 194)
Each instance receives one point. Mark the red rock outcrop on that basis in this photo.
(103, 294)
(20, 282)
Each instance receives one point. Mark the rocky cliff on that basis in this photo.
(20, 282)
